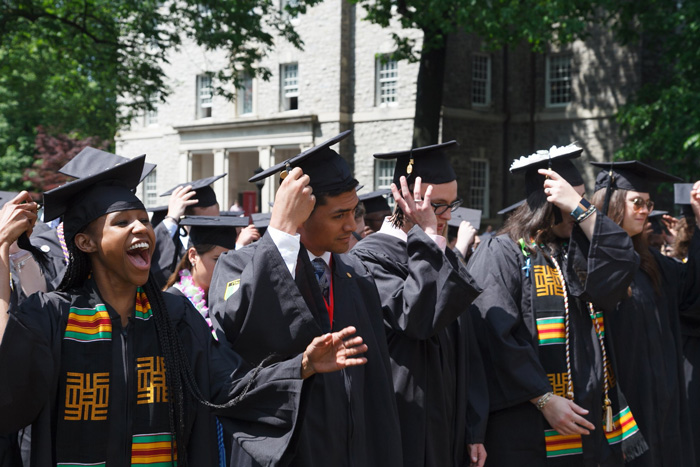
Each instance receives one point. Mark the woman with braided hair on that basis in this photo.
(110, 371)
(547, 277)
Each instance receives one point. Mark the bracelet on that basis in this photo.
(582, 207)
(177, 221)
(542, 401)
(585, 215)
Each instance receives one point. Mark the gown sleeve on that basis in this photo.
(29, 358)
(429, 295)
(512, 366)
(601, 270)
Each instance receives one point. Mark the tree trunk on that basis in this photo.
(431, 73)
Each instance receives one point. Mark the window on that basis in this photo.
(205, 93)
(387, 77)
(290, 86)
(151, 116)
(481, 80)
(384, 176)
(479, 186)
(150, 192)
(558, 92)
(244, 99)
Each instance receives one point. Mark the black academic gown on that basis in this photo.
(351, 418)
(435, 361)
(30, 365)
(646, 337)
(169, 250)
(598, 271)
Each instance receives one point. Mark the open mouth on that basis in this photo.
(139, 254)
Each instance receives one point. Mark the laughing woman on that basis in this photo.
(108, 370)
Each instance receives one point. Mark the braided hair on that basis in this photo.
(178, 372)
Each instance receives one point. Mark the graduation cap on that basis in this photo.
(681, 197)
(629, 175)
(327, 170)
(511, 208)
(205, 194)
(556, 158)
(473, 216)
(90, 161)
(158, 214)
(261, 220)
(214, 230)
(85, 199)
(375, 201)
(655, 218)
(430, 163)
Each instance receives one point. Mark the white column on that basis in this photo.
(266, 159)
(221, 186)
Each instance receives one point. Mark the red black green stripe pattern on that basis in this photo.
(562, 445)
(153, 450)
(624, 427)
(89, 324)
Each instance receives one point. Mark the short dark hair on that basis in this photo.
(322, 198)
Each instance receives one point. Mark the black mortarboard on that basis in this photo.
(430, 163)
(327, 170)
(473, 216)
(631, 175)
(90, 161)
(375, 201)
(214, 230)
(205, 194)
(261, 220)
(158, 215)
(512, 207)
(655, 218)
(681, 197)
(556, 158)
(232, 213)
(628, 175)
(85, 199)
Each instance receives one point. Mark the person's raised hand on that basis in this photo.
(559, 192)
(417, 209)
(294, 202)
(333, 352)
(16, 217)
(180, 199)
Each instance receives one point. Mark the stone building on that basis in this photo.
(497, 105)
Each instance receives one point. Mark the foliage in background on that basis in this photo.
(66, 65)
(662, 124)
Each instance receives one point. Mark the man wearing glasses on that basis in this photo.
(436, 366)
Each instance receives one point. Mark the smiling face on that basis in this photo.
(636, 212)
(330, 225)
(120, 245)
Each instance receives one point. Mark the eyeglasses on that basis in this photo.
(441, 208)
(640, 203)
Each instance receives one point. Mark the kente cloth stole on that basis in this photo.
(548, 302)
(88, 380)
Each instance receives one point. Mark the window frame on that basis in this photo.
(483, 191)
(549, 81)
(204, 109)
(287, 99)
(392, 81)
(486, 82)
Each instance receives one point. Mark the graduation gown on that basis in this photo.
(598, 271)
(30, 368)
(168, 252)
(645, 333)
(435, 361)
(351, 418)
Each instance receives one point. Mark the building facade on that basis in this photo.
(497, 105)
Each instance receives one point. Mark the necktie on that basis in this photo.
(321, 271)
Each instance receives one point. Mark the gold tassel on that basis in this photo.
(409, 169)
(608, 425)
